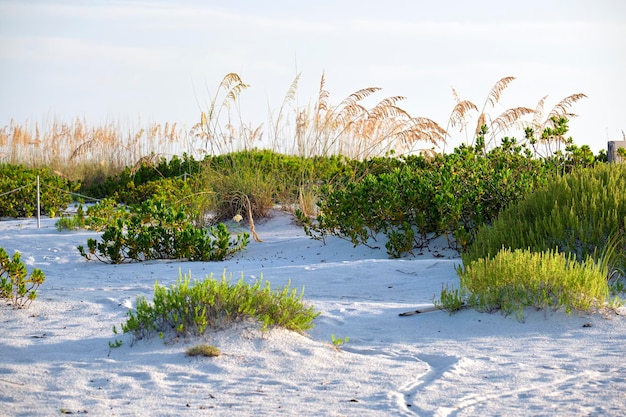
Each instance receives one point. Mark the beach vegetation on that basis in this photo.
(18, 191)
(513, 280)
(564, 246)
(156, 229)
(204, 349)
(16, 286)
(339, 341)
(191, 307)
(578, 213)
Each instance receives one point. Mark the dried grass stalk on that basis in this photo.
(496, 92)
(561, 109)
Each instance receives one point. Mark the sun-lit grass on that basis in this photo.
(83, 151)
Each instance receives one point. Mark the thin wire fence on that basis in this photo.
(38, 191)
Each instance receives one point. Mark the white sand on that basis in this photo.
(55, 355)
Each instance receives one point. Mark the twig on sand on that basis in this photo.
(420, 311)
(425, 310)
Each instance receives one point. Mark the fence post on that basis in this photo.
(38, 206)
(614, 145)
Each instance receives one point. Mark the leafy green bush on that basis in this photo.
(191, 307)
(159, 230)
(577, 213)
(97, 217)
(450, 195)
(147, 170)
(18, 188)
(170, 189)
(15, 285)
(513, 280)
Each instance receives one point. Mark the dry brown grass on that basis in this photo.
(506, 120)
(512, 119)
(78, 150)
(560, 109)
(350, 128)
(221, 128)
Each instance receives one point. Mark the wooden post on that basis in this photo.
(614, 145)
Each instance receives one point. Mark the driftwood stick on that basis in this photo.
(420, 311)
(426, 310)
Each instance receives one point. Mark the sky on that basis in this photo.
(161, 61)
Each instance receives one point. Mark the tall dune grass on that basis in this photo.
(512, 119)
(350, 128)
(78, 150)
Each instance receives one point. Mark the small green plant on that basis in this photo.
(191, 307)
(96, 217)
(209, 351)
(451, 299)
(115, 344)
(338, 341)
(513, 280)
(15, 285)
(72, 222)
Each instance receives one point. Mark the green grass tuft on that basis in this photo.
(191, 307)
(209, 351)
(513, 280)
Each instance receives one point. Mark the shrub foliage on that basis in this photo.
(18, 189)
(159, 230)
(450, 195)
(15, 284)
(577, 213)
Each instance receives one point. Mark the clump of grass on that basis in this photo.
(350, 128)
(209, 351)
(514, 280)
(191, 307)
(80, 151)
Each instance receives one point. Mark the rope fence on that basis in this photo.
(38, 186)
(38, 191)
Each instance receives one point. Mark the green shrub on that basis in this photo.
(191, 307)
(159, 230)
(576, 213)
(513, 280)
(450, 195)
(18, 188)
(97, 217)
(129, 182)
(170, 189)
(15, 285)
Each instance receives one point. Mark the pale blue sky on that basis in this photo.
(153, 60)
